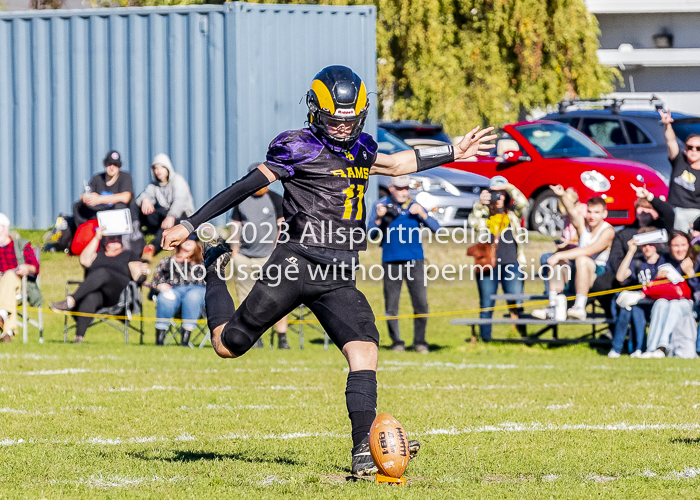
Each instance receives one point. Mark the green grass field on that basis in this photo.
(105, 420)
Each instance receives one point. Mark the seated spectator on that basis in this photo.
(109, 190)
(165, 201)
(107, 274)
(112, 189)
(650, 212)
(400, 219)
(500, 209)
(684, 191)
(11, 274)
(635, 270)
(569, 236)
(665, 314)
(589, 258)
(255, 230)
(180, 290)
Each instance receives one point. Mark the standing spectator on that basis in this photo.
(400, 219)
(635, 270)
(181, 289)
(500, 209)
(165, 201)
(684, 192)
(109, 190)
(666, 313)
(255, 231)
(107, 274)
(590, 257)
(11, 273)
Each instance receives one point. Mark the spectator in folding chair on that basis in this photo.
(11, 274)
(107, 274)
(179, 280)
(165, 201)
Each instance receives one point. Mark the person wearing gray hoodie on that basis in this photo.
(165, 201)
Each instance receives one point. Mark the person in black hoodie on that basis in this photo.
(650, 211)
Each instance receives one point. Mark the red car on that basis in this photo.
(533, 155)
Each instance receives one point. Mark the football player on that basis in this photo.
(324, 169)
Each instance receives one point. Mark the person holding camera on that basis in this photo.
(401, 220)
(499, 211)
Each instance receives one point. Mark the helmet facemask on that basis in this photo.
(341, 130)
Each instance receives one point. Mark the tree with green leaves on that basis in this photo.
(461, 62)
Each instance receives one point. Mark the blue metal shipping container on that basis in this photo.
(208, 85)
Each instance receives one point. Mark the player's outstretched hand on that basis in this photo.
(474, 144)
(174, 236)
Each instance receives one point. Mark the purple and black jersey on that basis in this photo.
(324, 191)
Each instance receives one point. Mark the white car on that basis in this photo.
(447, 194)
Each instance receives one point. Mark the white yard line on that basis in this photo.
(503, 427)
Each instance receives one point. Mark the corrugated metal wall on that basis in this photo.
(209, 85)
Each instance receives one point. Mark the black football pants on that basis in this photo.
(289, 280)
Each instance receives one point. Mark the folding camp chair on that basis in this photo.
(130, 304)
(23, 312)
(298, 314)
(201, 331)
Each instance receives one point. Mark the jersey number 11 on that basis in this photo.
(349, 193)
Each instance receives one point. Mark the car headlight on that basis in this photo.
(431, 185)
(438, 213)
(595, 181)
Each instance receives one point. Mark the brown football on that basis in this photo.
(388, 444)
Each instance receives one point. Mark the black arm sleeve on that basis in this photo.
(666, 214)
(227, 199)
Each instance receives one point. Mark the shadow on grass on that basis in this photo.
(690, 441)
(195, 456)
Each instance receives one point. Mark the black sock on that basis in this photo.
(217, 301)
(361, 400)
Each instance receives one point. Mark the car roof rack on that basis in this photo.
(611, 103)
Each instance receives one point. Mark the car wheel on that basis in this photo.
(545, 215)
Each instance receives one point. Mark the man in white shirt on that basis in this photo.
(589, 258)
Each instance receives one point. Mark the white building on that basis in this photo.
(656, 46)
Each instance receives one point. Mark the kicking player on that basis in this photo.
(324, 170)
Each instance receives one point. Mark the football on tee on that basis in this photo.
(388, 444)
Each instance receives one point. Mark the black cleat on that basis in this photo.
(413, 448)
(217, 253)
(362, 462)
(282, 341)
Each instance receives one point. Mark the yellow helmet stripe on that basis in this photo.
(361, 99)
(324, 96)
